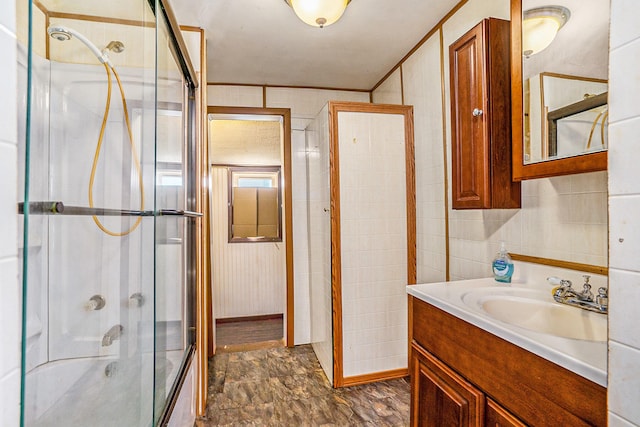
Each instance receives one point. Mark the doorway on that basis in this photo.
(251, 227)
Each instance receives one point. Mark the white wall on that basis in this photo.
(624, 211)
(389, 91)
(10, 287)
(318, 202)
(305, 105)
(373, 238)
(423, 90)
(562, 217)
(249, 279)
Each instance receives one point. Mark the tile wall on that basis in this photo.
(318, 202)
(10, 288)
(562, 218)
(305, 105)
(624, 211)
(389, 92)
(422, 89)
(373, 229)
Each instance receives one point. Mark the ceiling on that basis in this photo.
(263, 42)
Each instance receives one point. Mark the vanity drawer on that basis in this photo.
(535, 390)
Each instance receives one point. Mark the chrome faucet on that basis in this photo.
(112, 334)
(565, 294)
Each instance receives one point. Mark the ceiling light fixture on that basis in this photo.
(540, 26)
(318, 13)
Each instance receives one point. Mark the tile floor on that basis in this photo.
(287, 387)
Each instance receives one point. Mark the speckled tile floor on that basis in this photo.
(287, 387)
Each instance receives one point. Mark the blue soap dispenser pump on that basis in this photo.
(502, 265)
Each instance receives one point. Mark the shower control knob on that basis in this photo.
(96, 302)
(476, 112)
(136, 300)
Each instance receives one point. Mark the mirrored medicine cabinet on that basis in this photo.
(559, 94)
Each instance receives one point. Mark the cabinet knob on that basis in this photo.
(477, 112)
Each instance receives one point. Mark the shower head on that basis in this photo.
(63, 33)
(59, 33)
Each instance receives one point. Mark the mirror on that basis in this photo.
(559, 92)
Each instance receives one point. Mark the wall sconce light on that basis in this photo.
(540, 26)
(318, 13)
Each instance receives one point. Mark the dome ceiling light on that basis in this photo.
(540, 26)
(318, 13)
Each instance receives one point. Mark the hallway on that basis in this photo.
(287, 387)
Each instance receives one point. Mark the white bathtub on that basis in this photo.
(96, 391)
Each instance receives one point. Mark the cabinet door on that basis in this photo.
(469, 118)
(480, 118)
(440, 397)
(497, 416)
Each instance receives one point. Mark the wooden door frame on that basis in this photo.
(336, 251)
(285, 113)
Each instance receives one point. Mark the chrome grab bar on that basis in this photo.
(59, 208)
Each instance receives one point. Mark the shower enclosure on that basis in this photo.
(107, 170)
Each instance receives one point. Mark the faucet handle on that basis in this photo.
(603, 298)
(586, 278)
(553, 280)
(586, 293)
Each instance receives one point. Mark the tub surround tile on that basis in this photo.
(616, 421)
(624, 232)
(624, 25)
(623, 302)
(9, 315)
(10, 398)
(624, 381)
(624, 66)
(8, 196)
(625, 165)
(8, 85)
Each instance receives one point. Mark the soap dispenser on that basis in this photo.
(502, 265)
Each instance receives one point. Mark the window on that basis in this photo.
(255, 201)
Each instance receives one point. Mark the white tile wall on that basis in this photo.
(10, 289)
(390, 91)
(374, 240)
(564, 218)
(624, 204)
(234, 96)
(306, 103)
(302, 302)
(319, 240)
(423, 90)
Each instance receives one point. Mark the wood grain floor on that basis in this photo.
(249, 334)
(284, 387)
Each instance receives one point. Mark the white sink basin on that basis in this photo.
(535, 311)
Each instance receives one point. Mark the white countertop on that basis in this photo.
(585, 358)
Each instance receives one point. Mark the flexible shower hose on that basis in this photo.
(134, 155)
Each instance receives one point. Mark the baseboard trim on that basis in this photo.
(375, 377)
(249, 318)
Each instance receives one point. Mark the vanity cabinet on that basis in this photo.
(480, 70)
(462, 375)
(440, 396)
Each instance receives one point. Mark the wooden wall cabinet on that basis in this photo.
(479, 68)
(462, 375)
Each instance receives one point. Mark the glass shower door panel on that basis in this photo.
(89, 282)
(171, 237)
